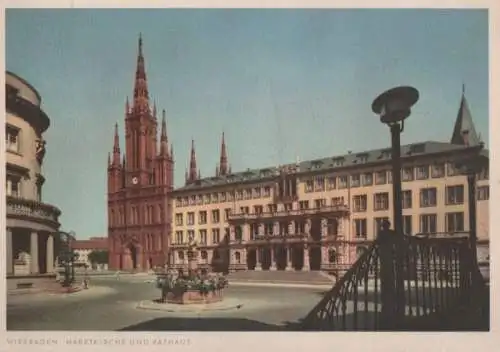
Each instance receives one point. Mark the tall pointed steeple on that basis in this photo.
(163, 138)
(464, 132)
(116, 148)
(223, 167)
(192, 163)
(141, 94)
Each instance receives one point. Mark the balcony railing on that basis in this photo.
(288, 213)
(19, 207)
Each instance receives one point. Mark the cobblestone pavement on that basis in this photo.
(111, 304)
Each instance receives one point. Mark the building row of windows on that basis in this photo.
(14, 187)
(204, 256)
(151, 214)
(182, 237)
(428, 223)
(322, 183)
(454, 195)
(367, 179)
(227, 196)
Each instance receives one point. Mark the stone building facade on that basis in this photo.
(31, 223)
(139, 183)
(321, 214)
(82, 249)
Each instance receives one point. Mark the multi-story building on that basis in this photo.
(139, 182)
(83, 248)
(321, 214)
(31, 223)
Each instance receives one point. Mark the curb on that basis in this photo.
(191, 308)
(278, 284)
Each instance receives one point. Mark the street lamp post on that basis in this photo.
(471, 165)
(393, 107)
(68, 256)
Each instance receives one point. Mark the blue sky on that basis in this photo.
(280, 83)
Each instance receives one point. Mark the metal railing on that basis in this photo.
(397, 283)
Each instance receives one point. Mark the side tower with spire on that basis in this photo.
(139, 205)
(223, 168)
(464, 132)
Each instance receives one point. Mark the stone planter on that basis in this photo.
(194, 297)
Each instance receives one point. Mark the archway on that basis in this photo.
(315, 258)
(297, 257)
(251, 259)
(133, 255)
(281, 257)
(316, 230)
(265, 258)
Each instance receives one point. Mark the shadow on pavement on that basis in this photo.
(205, 324)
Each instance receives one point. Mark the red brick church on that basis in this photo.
(139, 182)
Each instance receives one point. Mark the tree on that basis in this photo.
(98, 257)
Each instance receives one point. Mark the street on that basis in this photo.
(110, 305)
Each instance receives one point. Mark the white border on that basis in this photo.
(219, 341)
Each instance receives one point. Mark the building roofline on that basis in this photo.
(435, 148)
(24, 81)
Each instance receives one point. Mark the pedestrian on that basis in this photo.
(86, 279)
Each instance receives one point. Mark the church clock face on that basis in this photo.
(135, 180)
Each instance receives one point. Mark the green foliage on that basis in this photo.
(98, 257)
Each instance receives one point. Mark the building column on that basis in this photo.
(273, 258)
(232, 233)
(289, 262)
(307, 227)
(10, 259)
(245, 229)
(324, 227)
(306, 266)
(34, 269)
(258, 259)
(50, 253)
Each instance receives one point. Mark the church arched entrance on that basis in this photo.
(133, 256)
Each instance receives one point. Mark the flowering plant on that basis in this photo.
(178, 283)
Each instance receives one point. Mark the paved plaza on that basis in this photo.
(111, 305)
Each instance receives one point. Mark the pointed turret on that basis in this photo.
(223, 167)
(186, 176)
(163, 138)
(127, 106)
(464, 132)
(192, 163)
(116, 148)
(154, 110)
(141, 94)
(199, 174)
(109, 159)
(217, 170)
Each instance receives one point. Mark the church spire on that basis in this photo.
(464, 132)
(116, 148)
(223, 167)
(192, 164)
(163, 138)
(141, 95)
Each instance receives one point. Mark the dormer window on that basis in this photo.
(338, 162)
(362, 158)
